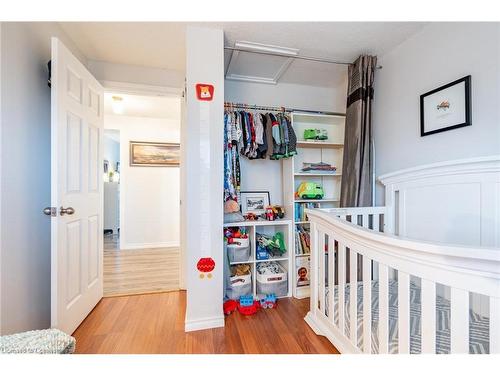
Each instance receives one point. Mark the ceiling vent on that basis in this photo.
(261, 63)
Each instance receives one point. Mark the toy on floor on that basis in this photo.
(229, 306)
(269, 301)
(247, 305)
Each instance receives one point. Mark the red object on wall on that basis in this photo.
(205, 265)
(204, 91)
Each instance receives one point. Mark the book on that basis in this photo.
(302, 268)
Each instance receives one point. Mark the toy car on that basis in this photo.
(247, 306)
(269, 301)
(310, 190)
(315, 134)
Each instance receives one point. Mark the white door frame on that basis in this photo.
(152, 90)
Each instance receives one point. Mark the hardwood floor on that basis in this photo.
(154, 323)
(140, 271)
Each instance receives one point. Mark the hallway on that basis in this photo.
(128, 272)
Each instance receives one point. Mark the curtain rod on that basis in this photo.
(278, 109)
(308, 58)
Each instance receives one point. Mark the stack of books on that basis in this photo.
(302, 240)
(318, 167)
(300, 214)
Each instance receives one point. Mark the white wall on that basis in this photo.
(437, 55)
(204, 167)
(25, 186)
(149, 196)
(265, 174)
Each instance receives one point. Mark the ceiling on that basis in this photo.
(162, 44)
(144, 106)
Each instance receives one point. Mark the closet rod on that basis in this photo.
(278, 109)
(308, 58)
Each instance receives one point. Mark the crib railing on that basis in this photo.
(353, 261)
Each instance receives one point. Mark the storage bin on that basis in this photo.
(239, 286)
(276, 283)
(239, 251)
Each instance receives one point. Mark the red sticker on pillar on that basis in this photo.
(205, 266)
(204, 92)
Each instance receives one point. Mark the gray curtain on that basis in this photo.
(357, 167)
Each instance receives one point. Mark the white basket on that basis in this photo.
(276, 283)
(239, 286)
(240, 251)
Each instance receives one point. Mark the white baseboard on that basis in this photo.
(155, 245)
(206, 323)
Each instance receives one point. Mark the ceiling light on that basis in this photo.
(117, 105)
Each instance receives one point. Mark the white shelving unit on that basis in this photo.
(269, 228)
(329, 151)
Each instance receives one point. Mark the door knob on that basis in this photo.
(50, 211)
(66, 211)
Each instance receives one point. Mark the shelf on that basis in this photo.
(270, 260)
(257, 223)
(316, 200)
(317, 174)
(319, 144)
(302, 255)
(250, 261)
(302, 222)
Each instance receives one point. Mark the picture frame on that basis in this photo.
(447, 107)
(254, 202)
(154, 154)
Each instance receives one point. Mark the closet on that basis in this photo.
(306, 101)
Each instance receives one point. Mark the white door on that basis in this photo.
(77, 190)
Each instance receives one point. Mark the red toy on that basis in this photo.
(229, 306)
(249, 310)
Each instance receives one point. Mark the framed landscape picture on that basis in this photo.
(151, 154)
(254, 202)
(447, 107)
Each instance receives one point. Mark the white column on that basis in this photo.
(204, 164)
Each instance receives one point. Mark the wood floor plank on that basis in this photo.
(154, 323)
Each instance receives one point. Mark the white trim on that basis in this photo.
(205, 323)
(1, 127)
(451, 167)
(140, 89)
(154, 245)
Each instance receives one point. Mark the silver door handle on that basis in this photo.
(50, 211)
(66, 211)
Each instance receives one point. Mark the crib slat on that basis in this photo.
(403, 312)
(494, 325)
(428, 317)
(314, 269)
(459, 329)
(321, 272)
(365, 221)
(331, 279)
(341, 288)
(376, 223)
(353, 294)
(367, 305)
(383, 319)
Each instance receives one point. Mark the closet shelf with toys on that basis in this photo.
(312, 179)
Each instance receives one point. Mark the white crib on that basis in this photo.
(408, 295)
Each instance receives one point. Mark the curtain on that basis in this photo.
(357, 167)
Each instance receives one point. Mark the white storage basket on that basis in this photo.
(276, 283)
(239, 251)
(239, 286)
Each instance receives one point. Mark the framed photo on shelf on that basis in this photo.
(447, 107)
(254, 202)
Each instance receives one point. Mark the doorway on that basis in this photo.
(141, 193)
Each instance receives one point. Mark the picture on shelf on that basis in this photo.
(254, 202)
(302, 271)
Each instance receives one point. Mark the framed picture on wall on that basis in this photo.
(153, 154)
(254, 202)
(447, 107)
